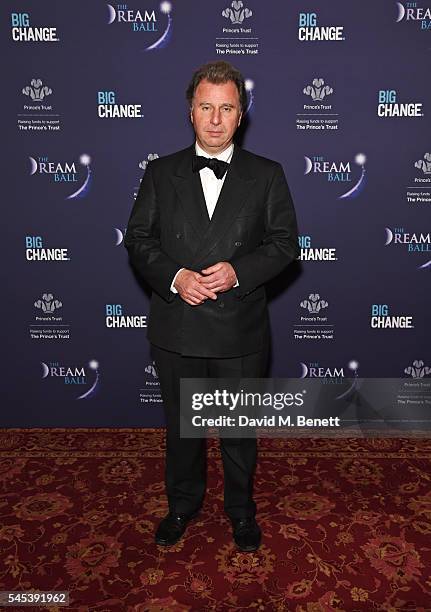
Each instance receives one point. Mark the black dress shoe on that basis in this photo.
(246, 533)
(172, 527)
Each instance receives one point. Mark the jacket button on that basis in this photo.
(178, 235)
(221, 304)
(238, 243)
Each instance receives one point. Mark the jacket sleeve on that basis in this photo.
(279, 246)
(142, 240)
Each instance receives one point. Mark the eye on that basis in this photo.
(227, 109)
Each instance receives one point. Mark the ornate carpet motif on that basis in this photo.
(346, 525)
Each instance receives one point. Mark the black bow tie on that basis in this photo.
(218, 166)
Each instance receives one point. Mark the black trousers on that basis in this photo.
(185, 473)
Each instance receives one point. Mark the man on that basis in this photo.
(210, 225)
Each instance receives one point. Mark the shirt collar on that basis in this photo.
(225, 155)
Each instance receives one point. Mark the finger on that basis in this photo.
(205, 280)
(206, 293)
(200, 293)
(201, 289)
(212, 285)
(215, 268)
(193, 300)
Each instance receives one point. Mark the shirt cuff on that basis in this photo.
(174, 279)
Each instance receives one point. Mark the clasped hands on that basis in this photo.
(194, 287)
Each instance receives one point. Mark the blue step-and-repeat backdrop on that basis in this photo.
(338, 92)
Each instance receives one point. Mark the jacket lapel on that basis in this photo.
(191, 196)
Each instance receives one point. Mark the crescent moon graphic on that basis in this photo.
(304, 369)
(92, 389)
(119, 236)
(82, 191)
(356, 189)
(164, 38)
(425, 265)
(389, 236)
(45, 370)
(401, 11)
(112, 13)
(33, 165)
(308, 165)
(353, 386)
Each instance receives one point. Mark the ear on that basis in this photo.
(191, 114)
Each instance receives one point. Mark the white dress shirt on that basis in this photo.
(211, 186)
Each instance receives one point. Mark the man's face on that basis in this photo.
(215, 115)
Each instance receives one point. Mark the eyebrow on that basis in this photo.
(222, 104)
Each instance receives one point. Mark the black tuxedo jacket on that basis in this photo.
(253, 227)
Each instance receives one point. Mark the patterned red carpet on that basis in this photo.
(346, 525)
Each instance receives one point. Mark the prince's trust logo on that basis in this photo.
(318, 111)
(418, 369)
(150, 392)
(48, 323)
(47, 304)
(318, 91)
(420, 191)
(237, 13)
(313, 324)
(38, 114)
(424, 165)
(412, 11)
(314, 304)
(144, 163)
(36, 91)
(237, 33)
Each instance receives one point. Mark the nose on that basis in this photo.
(216, 117)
